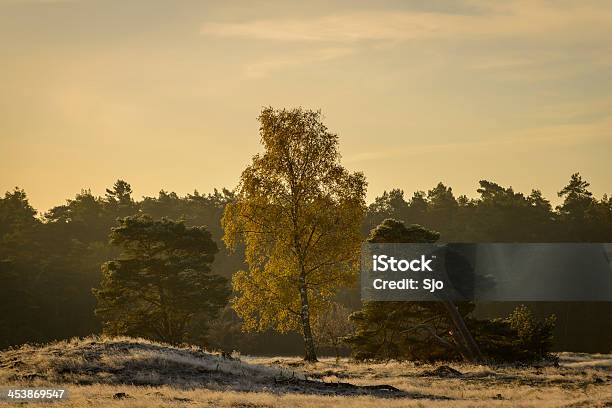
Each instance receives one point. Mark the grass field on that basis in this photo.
(125, 372)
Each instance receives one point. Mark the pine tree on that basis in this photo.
(161, 283)
(411, 330)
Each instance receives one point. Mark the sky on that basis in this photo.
(165, 94)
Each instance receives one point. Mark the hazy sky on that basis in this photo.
(165, 94)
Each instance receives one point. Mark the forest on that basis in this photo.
(51, 261)
(63, 272)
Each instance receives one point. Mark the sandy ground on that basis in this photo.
(136, 373)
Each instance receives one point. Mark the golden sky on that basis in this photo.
(165, 94)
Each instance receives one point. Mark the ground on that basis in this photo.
(125, 372)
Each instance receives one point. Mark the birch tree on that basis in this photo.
(298, 212)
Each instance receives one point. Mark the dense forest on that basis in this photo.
(50, 262)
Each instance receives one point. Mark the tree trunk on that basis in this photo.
(310, 353)
(468, 347)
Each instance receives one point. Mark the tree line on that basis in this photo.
(285, 241)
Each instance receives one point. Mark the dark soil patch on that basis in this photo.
(443, 371)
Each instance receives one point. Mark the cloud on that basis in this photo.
(515, 38)
(538, 137)
(335, 28)
(264, 67)
(506, 19)
(498, 63)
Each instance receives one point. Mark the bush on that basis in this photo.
(386, 330)
(516, 338)
(418, 331)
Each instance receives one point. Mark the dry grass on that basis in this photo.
(156, 375)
